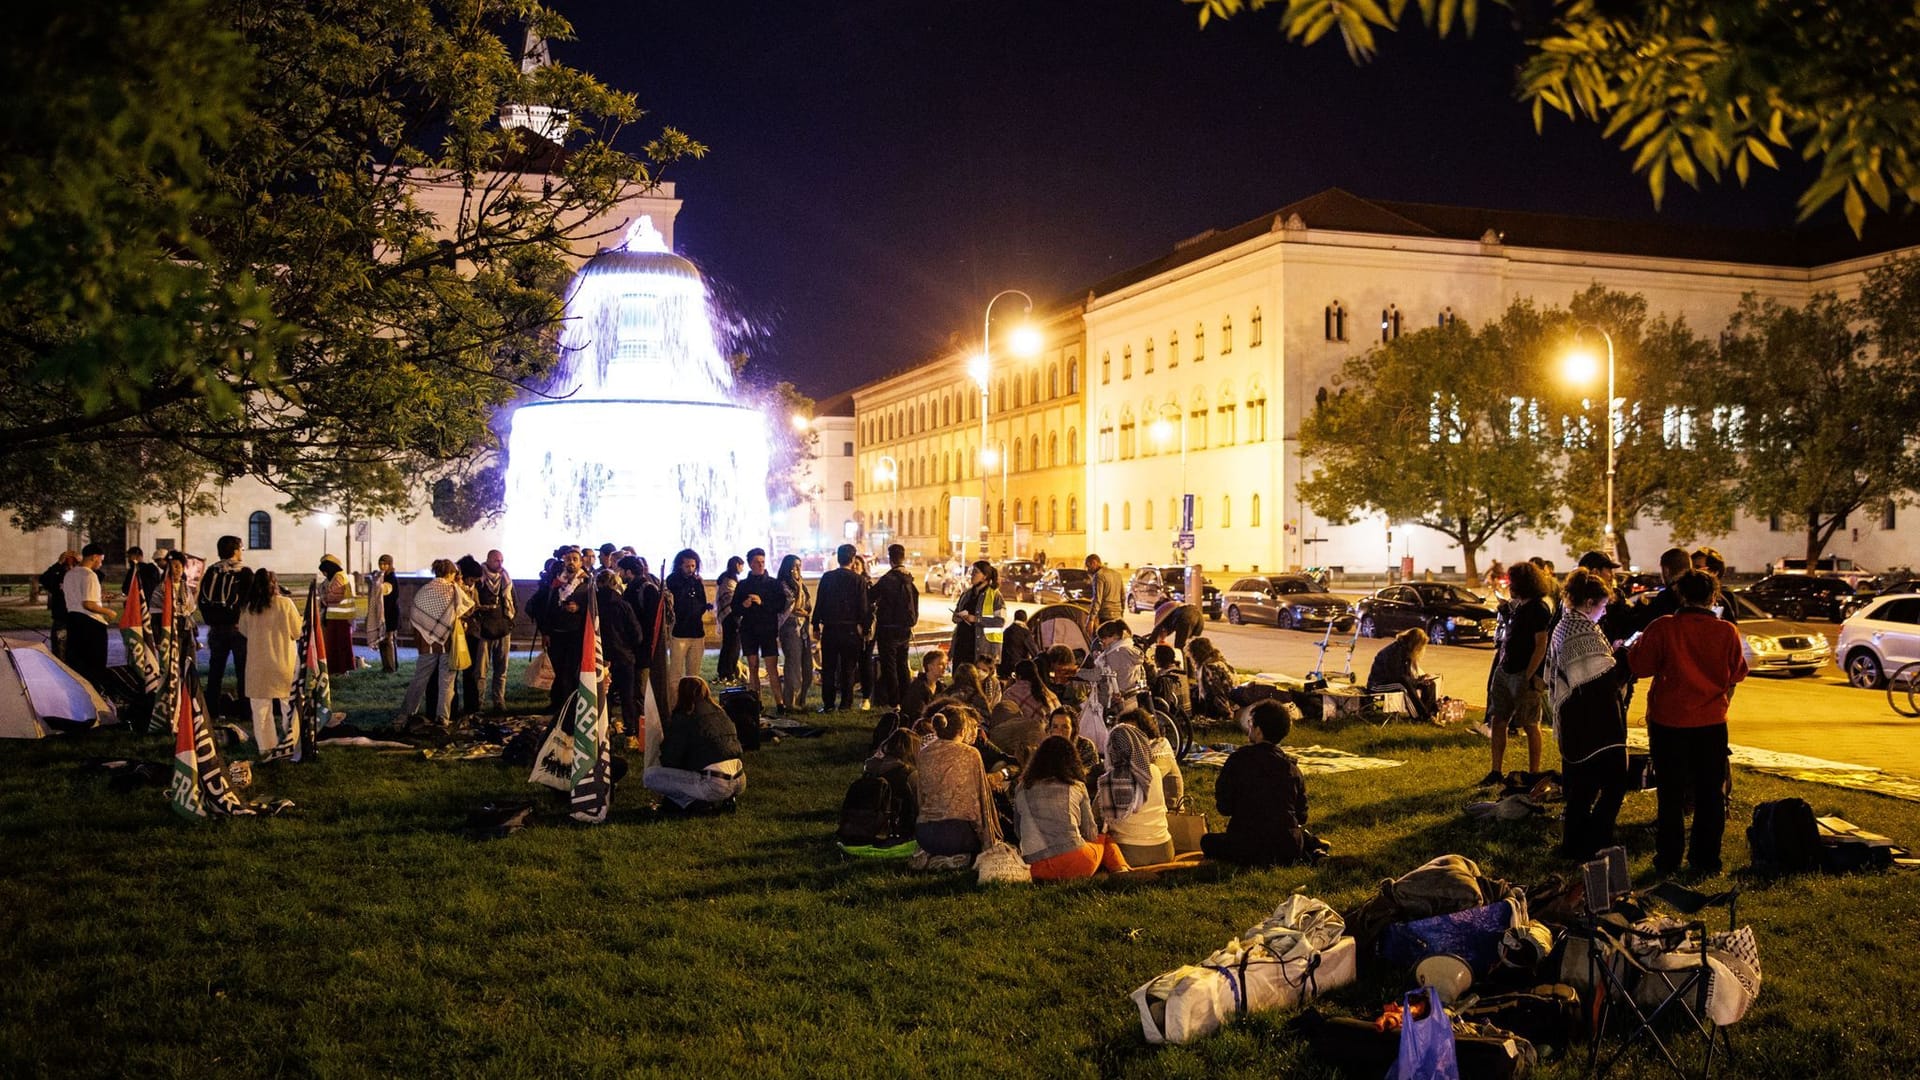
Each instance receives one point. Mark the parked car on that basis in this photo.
(1018, 577)
(1838, 566)
(1879, 638)
(1773, 644)
(1150, 586)
(1064, 585)
(1635, 584)
(1895, 581)
(1292, 600)
(1799, 597)
(1449, 614)
(944, 579)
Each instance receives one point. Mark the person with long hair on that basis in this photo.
(1131, 798)
(976, 612)
(336, 621)
(271, 624)
(1059, 839)
(700, 766)
(1397, 667)
(1213, 681)
(687, 637)
(1515, 688)
(1020, 720)
(1587, 681)
(957, 818)
(1064, 722)
(796, 634)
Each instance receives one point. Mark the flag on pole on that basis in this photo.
(166, 663)
(184, 791)
(592, 793)
(135, 635)
(312, 699)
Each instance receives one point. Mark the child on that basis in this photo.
(1264, 797)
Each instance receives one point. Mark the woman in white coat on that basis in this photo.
(271, 623)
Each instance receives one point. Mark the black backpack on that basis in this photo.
(1783, 837)
(888, 723)
(742, 706)
(876, 811)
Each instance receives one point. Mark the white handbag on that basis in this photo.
(1001, 864)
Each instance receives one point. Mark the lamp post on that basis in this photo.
(1025, 341)
(325, 521)
(1162, 433)
(888, 472)
(1581, 367)
(988, 459)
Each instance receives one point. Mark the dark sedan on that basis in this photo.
(1799, 597)
(1018, 577)
(1292, 600)
(1449, 614)
(1064, 586)
(1152, 584)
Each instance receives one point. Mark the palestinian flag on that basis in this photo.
(312, 699)
(592, 792)
(184, 791)
(166, 662)
(135, 635)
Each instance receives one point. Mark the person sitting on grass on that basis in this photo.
(966, 688)
(924, 687)
(1063, 722)
(1160, 752)
(1131, 798)
(700, 766)
(1213, 681)
(1060, 669)
(1058, 837)
(1020, 720)
(1261, 791)
(1397, 667)
(957, 817)
(1169, 682)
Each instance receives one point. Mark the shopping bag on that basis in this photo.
(1000, 864)
(1187, 829)
(462, 656)
(1426, 1041)
(553, 765)
(540, 672)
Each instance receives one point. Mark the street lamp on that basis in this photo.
(801, 424)
(1024, 340)
(888, 472)
(325, 522)
(1581, 366)
(1162, 433)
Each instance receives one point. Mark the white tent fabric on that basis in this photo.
(35, 686)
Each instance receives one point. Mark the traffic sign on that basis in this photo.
(1184, 542)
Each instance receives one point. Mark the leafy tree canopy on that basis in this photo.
(1698, 88)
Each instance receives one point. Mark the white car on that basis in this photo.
(1836, 566)
(1879, 639)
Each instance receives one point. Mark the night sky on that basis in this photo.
(878, 170)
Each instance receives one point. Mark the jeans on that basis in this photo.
(718, 782)
(623, 685)
(1594, 790)
(432, 666)
(729, 665)
(683, 660)
(839, 664)
(490, 669)
(1689, 761)
(222, 642)
(890, 645)
(796, 660)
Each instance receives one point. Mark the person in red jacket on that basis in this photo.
(1694, 659)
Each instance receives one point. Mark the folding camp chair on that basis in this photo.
(1630, 993)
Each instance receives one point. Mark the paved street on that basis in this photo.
(1820, 715)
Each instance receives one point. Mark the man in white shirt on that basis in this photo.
(87, 617)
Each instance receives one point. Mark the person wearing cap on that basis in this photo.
(1605, 567)
(336, 622)
(87, 617)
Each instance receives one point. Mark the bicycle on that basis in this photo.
(1904, 686)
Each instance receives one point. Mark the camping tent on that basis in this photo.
(40, 695)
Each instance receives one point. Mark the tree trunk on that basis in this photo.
(1469, 556)
(1620, 553)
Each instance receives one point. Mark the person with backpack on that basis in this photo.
(1169, 684)
(1214, 681)
(700, 766)
(896, 611)
(1587, 680)
(1261, 791)
(222, 591)
(1059, 839)
(52, 582)
(881, 807)
(1020, 720)
(1695, 660)
(729, 614)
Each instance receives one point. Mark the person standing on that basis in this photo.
(896, 611)
(688, 642)
(979, 605)
(620, 645)
(88, 617)
(758, 600)
(796, 633)
(728, 670)
(1587, 683)
(1103, 595)
(271, 625)
(435, 617)
(841, 613)
(468, 703)
(493, 616)
(336, 621)
(1695, 660)
(52, 582)
(141, 574)
(566, 623)
(1514, 692)
(221, 593)
(383, 613)
(643, 595)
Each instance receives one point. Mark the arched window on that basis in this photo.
(1000, 395)
(1001, 513)
(260, 531)
(1197, 421)
(1149, 356)
(1053, 381)
(1446, 317)
(1106, 368)
(1173, 513)
(1033, 388)
(1173, 349)
(1126, 515)
(1104, 450)
(1053, 515)
(1226, 335)
(1126, 362)
(1198, 505)
(1126, 433)
(1256, 511)
(1033, 451)
(1019, 455)
(1256, 412)
(1106, 517)
(1229, 415)
(1146, 514)
(1199, 343)
(1053, 448)
(923, 417)
(1253, 330)
(1073, 513)
(1073, 376)
(1336, 322)
(1073, 446)
(1226, 511)
(846, 491)
(1389, 322)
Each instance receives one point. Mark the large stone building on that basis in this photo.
(825, 517)
(1201, 365)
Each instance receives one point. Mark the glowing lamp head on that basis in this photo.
(801, 423)
(1581, 366)
(66, 517)
(1161, 430)
(978, 367)
(882, 474)
(1024, 340)
(325, 521)
(989, 457)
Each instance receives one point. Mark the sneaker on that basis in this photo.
(1494, 777)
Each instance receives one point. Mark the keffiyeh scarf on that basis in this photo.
(1577, 654)
(1123, 787)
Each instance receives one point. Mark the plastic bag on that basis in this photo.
(1000, 864)
(540, 672)
(1426, 1041)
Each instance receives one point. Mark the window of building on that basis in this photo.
(1073, 446)
(1149, 357)
(1229, 416)
(1146, 514)
(1199, 343)
(1886, 516)
(1126, 434)
(1198, 511)
(1197, 421)
(1446, 317)
(1033, 451)
(1126, 515)
(1253, 330)
(1106, 517)
(846, 449)
(1389, 322)
(1255, 512)
(1053, 381)
(1000, 395)
(1774, 524)
(1033, 387)
(1019, 455)
(1000, 512)
(1053, 515)
(260, 531)
(1226, 511)
(1226, 335)
(1126, 362)
(1173, 349)
(1336, 322)
(1053, 449)
(1073, 376)
(1256, 412)
(1173, 513)
(1106, 368)
(1105, 450)
(1073, 513)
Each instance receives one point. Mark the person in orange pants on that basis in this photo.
(1059, 838)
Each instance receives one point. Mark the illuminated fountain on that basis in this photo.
(648, 446)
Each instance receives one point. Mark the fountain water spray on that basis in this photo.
(649, 447)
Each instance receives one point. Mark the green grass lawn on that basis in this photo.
(362, 935)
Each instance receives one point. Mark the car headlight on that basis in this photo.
(1449, 622)
(1759, 644)
(1822, 639)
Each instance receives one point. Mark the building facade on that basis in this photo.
(921, 465)
(824, 519)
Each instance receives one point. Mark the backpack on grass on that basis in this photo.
(1783, 837)
(878, 811)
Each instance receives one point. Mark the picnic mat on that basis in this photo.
(1811, 770)
(1313, 760)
